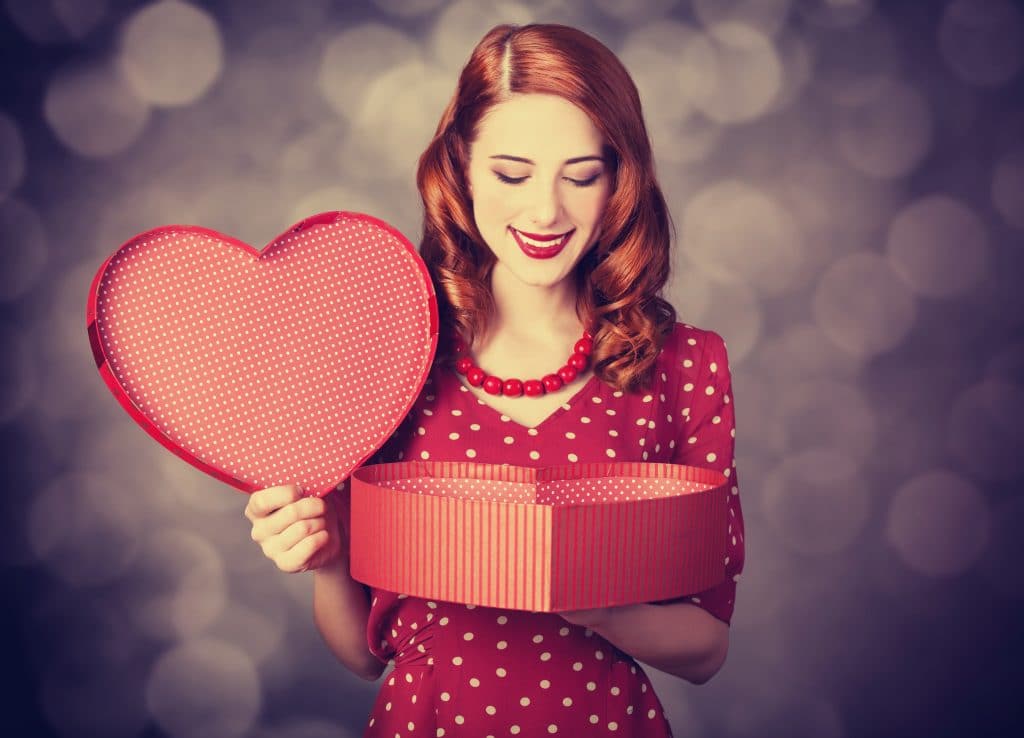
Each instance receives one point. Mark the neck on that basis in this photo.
(533, 313)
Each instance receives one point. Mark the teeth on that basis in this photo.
(545, 245)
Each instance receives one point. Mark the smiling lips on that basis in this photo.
(533, 245)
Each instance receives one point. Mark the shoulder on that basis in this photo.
(692, 346)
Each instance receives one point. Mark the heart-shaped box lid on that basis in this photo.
(290, 364)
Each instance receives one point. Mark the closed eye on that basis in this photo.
(577, 182)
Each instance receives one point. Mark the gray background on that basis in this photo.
(847, 183)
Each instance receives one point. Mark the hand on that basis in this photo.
(588, 618)
(297, 533)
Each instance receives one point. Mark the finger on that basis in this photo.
(276, 522)
(265, 501)
(292, 535)
(297, 557)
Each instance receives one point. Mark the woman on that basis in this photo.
(546, 236)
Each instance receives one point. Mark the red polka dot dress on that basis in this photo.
(464, 670)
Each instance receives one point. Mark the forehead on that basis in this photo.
(539, 127)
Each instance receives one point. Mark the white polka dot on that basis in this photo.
(567, 701)
(687, 363)
(509, 440)
(514, 730)
(570, 435)
(613, 725)
(688, 386)
(490, 709)
(424, 454)
(456, 412)
(578, 666)
(411, 725)
(467, 636)
(443, 621)
(651, 713)
(524, 701)
(502, 645)
(712, 456)
(584, 419)
(474, 426)
(445, 696)
(600, 654)
(502, 619)
(500, 671)
(610, 452)
(563, 631)
(459, 719)
(615, 691)
(648, 398)
(474, 682)
(421, 430)
(546, 656)
(471, 453)
(691, 341)
(591, 686)
(453, 436)
(387, 706)
(538, 638)
(532, 431)
(573, 458)
(534, 455)
(594, 719)
(544, 684)
(709, 390)
(457, 661)
(552, 728)
(714, 367)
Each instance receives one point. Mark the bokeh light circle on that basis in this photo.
(984, 433)
(863, 306)
(939, 247)
(982, 41)
(887, 133)
(939, 523)
(204, 689)
(815, 501)
(92, 110)
(171, 53)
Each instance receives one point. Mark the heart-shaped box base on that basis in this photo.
(557, 538)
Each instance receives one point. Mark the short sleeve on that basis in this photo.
(706, 438)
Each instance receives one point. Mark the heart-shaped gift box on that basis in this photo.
(290, 364)
(548, 539)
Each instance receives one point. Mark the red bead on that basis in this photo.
(577, 362)
(492, 385)
(567, 373)
(463, 365)
(533, 387)
(583, 346)
(476, 376)
(588, 334)
(552, 382)
(512, 388)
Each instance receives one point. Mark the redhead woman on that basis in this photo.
(547, 237)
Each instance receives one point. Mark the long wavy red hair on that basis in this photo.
(619, 280)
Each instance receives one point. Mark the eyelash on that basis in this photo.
(576, 182)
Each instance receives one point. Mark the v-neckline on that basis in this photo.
(554, 415)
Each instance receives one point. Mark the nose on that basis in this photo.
(546, 206)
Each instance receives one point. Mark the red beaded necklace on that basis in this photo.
(575, 364)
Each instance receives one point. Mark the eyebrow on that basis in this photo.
(574, 160)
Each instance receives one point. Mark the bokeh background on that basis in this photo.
(847, 182)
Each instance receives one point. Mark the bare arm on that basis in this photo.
(341, 609)
(310, 534)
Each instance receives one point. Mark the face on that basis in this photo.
(536, 168)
